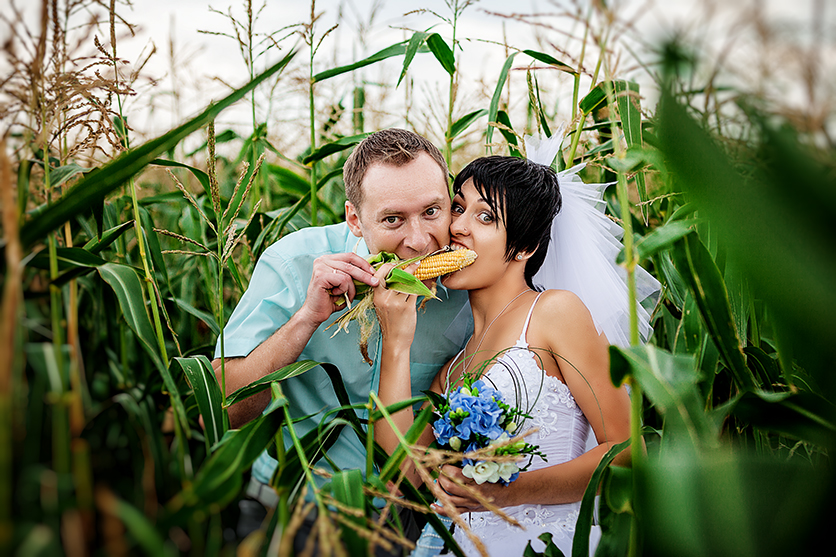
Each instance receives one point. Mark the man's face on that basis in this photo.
(405, 209)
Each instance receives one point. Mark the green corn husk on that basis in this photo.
(363, 308)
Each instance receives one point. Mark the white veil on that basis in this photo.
(583, 249)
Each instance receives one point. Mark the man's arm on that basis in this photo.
(333, 278)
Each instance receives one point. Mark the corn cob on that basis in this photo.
(443, 263)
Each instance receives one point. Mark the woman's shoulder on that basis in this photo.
(562, 313)
(562, 301)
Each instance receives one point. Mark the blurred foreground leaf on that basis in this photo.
(728, 504)
(778, 224)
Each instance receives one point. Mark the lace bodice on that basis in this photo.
(562, 432)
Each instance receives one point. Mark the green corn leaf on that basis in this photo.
(347, 488)
(502, 118)
(68, 258)
(128, 290)
(416, 41)
(220, 478)
(143, 417)
(803, 415)
(700, 272)
(388, 52)
(199, 373)
(90, 191)
(497, 93)
(96, 245)
(629, 112)
(402, 281)
(580, 543)
(58, 176)
(292, 370)
(201, 176)
(204, 316)
(334, 147)
(465, 121)
(152, 246)
(392, 466)
(670, 382)
(593, 99)
(442, 53)
(781, 237)
(140, 528)
(396, 407)
(224, 137)
(660, 239)
(551, 60)
(288, 180)
(618, 489)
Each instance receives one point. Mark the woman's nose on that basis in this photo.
(457, 226)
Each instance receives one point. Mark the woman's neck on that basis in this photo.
(487, 304)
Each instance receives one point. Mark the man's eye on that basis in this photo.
(391, 220)
(432, 211)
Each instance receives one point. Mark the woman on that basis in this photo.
(503, 210)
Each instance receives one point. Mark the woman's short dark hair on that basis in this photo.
(525, 196)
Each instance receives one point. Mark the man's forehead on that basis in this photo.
(399, 206)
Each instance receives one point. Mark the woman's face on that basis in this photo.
(475, 226)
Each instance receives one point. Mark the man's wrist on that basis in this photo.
(306, 320)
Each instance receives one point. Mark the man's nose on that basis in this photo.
(417, 236)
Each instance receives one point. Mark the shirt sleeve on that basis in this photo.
(274, 294)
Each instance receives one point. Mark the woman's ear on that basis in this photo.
(523, 256)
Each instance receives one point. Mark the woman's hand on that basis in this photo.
(395, 310)
(451, 479)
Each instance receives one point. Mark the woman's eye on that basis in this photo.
(456, 208)
(487, 218)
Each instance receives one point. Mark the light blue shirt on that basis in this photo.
(278, 289)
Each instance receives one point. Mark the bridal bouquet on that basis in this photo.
(475, 416)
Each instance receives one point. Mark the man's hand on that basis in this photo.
(396, 312)
(332, 279)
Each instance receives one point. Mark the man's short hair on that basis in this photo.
(392, 146)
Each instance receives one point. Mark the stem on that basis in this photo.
(636, 444)
(12, 296)
(577, 135)
(312, 115)
(306, 467)
(251, 64)
(637, 458)
(370, 441)
(448, 146)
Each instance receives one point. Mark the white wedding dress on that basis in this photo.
(562, 435)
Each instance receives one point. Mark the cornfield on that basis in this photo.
(124, 253)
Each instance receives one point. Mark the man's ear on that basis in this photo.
(352, 218)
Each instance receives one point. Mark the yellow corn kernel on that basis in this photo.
(443, 263)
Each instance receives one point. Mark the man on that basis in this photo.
(397, 201)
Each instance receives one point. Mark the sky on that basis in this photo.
(201, 67)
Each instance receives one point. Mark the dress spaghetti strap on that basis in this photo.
(522, 342)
